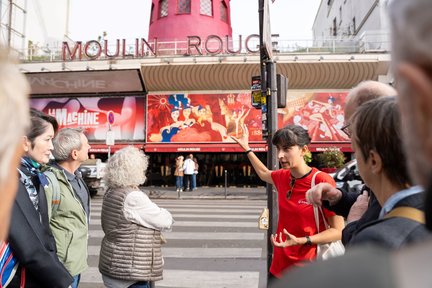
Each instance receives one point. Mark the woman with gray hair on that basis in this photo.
(130, 253)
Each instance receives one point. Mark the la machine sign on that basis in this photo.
(141, 48)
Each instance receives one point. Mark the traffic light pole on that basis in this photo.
(269, 88)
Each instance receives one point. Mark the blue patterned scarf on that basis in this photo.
(34, 169)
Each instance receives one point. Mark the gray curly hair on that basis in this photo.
(126, 168)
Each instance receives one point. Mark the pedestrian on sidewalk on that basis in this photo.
(195, 174)
(68, 200)
(178, 173)
(298, 244)
(30, 236)
(188, 169)
(130, 254)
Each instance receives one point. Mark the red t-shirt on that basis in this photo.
(297, 217)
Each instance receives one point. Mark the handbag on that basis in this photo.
(8, 266)
(327, 250)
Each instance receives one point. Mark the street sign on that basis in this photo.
(110, 117)
(110, 138)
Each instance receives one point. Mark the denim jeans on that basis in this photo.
(193, 186)
(76, 280)
(140, 284)
(179, 182)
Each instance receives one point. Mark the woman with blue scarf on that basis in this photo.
(30, 237)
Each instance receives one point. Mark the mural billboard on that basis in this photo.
(127, 115)
(192, 118)
(320, 113)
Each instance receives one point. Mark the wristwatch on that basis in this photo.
(308, 241)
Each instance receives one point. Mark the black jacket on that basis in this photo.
(33, 244)
(394, 232)
(343, 207)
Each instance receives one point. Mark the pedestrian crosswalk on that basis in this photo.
(214, 243)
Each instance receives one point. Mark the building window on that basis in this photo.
(206, 7)
(183, 6)
(163, 8)
(223, 12)
(151, 13)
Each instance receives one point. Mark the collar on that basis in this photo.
(397, 197)
(69, 176)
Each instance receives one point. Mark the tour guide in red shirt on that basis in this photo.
(296, 237)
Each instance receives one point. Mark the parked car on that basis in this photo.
(92, 171)
(348, 177)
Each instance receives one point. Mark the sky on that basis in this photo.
(129, 19)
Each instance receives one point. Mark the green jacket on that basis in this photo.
(68, 225)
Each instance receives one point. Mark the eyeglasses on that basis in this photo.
(292, 182)
(346, 129)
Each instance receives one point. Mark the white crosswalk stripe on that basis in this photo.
(214, 243)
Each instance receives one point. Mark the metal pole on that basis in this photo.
(272, 160)
(226, 183)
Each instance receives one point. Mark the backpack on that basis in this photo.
(55, 201)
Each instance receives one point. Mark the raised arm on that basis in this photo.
(262, 171)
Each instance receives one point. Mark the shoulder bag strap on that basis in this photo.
(315, 208)
(407, 212)
(55, 201)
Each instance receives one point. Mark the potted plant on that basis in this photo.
(331, 159)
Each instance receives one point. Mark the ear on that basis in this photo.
(375, 162)
(26, 144)
(74, 154)
(304, 150)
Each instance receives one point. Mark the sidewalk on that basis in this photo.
(253, 193)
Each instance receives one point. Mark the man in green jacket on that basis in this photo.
(69, 201)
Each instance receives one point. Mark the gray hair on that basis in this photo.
(126, 168)
(411, 23)
(66, 140)
(14, 111)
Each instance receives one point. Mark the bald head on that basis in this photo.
(363, 92)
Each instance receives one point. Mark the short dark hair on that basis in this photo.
(376, 126)
(291, 135)
(39, 122)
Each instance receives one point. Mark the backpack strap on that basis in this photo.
(55, 201)
(407, 212)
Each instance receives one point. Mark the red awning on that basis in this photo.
(319, 147)
(207, 147)
(102, 148)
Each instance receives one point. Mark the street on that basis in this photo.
(214, 243)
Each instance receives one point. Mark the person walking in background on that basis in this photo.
(296, 215)
(178, 173)
(68, 200)
(30, 236)
(188, 170)
(14, 108)
(195, 174)
(130, 254)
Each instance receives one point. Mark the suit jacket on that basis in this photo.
(394, 232)
(33, 244)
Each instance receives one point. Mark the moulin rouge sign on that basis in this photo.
(212, 45)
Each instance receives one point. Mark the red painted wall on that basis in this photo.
(179, 26)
